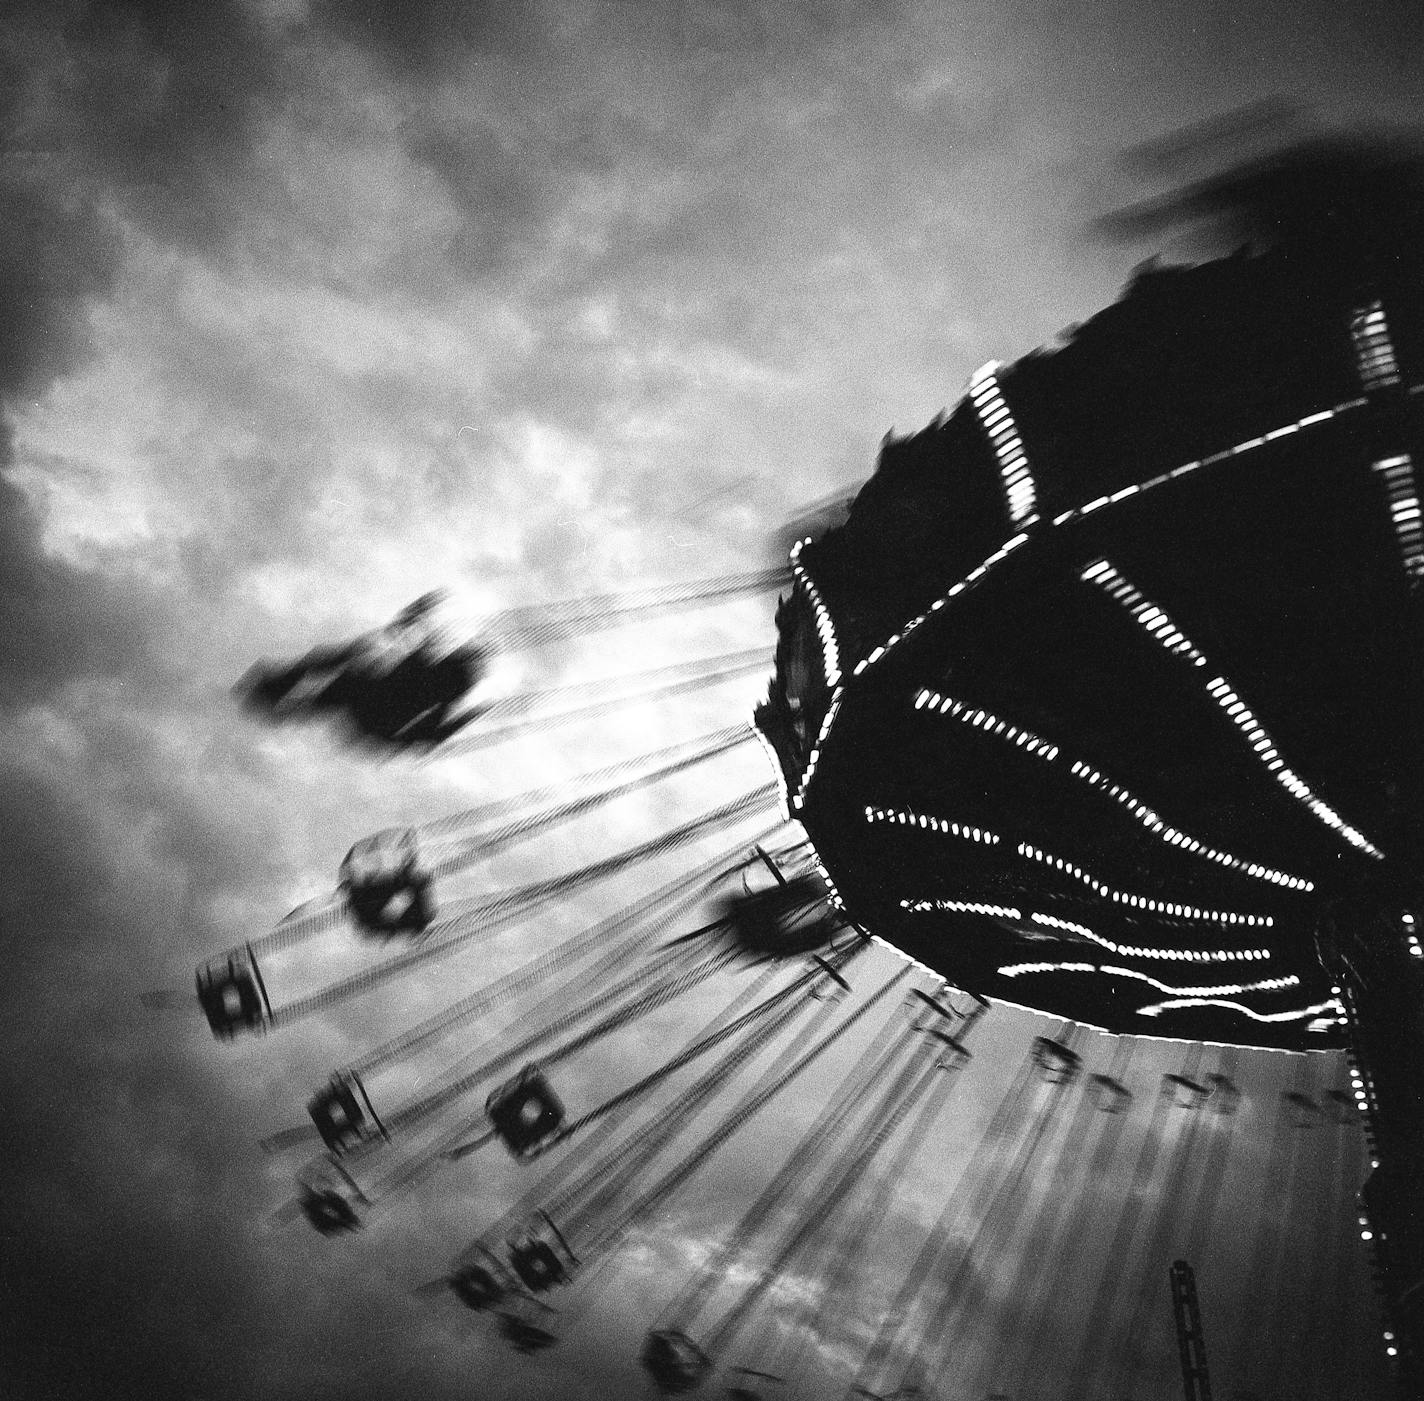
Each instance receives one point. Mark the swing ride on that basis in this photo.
(1099, 700)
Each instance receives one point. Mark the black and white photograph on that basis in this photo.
(714, 698)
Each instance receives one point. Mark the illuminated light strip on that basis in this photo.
(967, 582)
(1143, 902)
(832, 892)
(830, 647)
(1404, 510)
(1000, 1001)
(814, 758)
(1164, 955)
(1374, 351)
(1299, 1014)
(934, 700)
(931, 824)
(998, 423)
(1111, 582)
(962, 907)
(1196, 464)
(1014, 970)
(958, 710)
(831, 655)
(783, 795)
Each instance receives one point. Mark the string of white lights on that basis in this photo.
(1008, 447)
(1402, 492)
(814, 758)
(962, 907)
(1033, 744)
(1162, 954)
(1211, 460)
(1298, 1014)
(1378, 369)
(831, 656)
(1077, 512)
(905, 818)
(1142, 902)
(825, 629)
(968, 582)
(1374, 351)
(973, 907)
(1015, 970)
(1156, 622)
(783, 794)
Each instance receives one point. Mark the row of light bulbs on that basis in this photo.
(1142, 902)
(967, 582)
(831, 655)
(998, 423)
(1163, 955)
(1297, 1014)
(1404, 510)
(1374, 351)
(906, 818)
(1014, 970)
(1156, 621)
(1033, 744)
(964, 907)
(1211, 460)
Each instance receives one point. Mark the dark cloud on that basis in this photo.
(57, 256)
(166, 100)
(432, 38)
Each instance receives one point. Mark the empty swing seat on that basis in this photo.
(526, 1113)
(338, 1115)
(1225, 1097)
(386, 890)
(675, 1363)
(1057, 1063)
(524, 1335)
(1109, 1095)
(328, 1211)
(538, 1265)
(230, 997)
(476, 1287)
(1185, 1093)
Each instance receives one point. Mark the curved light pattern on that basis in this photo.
(814, 757)
(931, 824)
(933, 700)
(1161, 626)
(1285, 431)
(1014, 970)
(1147, 614)
(1173, 837)
(958, 710)
(1156, 1008)
(830, 647)
(999, 424)
(833, 894)
(1403, 495)
(831, 655)
(967, 582)
(1165, 955)
(963, 907)
(783, 795)
(1142, 902)
(1374, 351)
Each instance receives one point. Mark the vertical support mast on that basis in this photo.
(1196, 1385)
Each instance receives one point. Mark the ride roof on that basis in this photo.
(1108, 687)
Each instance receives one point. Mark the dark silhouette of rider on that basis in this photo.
(396, 687)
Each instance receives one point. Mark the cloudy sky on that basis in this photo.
(306, 308)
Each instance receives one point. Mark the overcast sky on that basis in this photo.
(306, 308)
